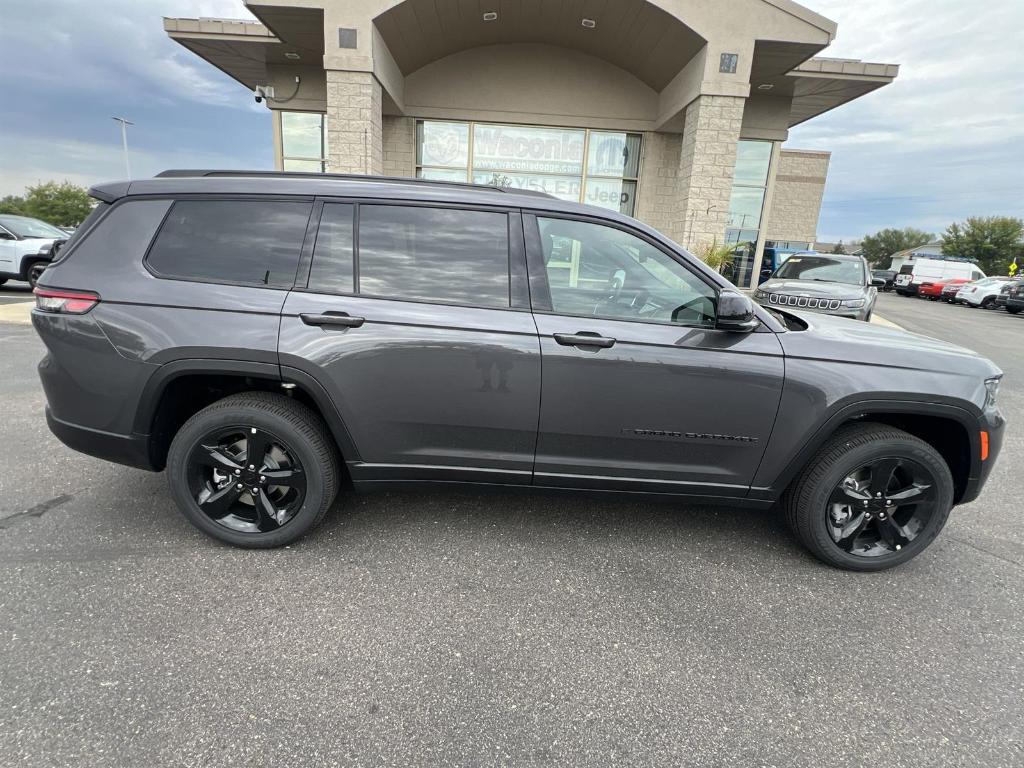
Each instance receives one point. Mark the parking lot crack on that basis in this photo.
(38, 510)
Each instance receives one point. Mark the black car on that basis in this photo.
(267, 338)
(1012, 297)
(888, 275)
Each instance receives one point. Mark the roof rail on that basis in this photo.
(200, 172)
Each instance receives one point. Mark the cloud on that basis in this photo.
(946, 140)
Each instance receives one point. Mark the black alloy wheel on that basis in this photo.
(874, 497)
(882, 507)
(34, 273)
(255, 470)
(246, 479)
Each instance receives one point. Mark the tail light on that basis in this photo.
(65, 302)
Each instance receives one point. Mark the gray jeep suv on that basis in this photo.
(268, 338)
(828, 283)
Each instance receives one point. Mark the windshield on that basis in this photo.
(23, 226)
(822, 269)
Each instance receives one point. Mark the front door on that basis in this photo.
(640, 392)
(419, 328)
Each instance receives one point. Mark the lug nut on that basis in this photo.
(238, 471)
(255, 490)
(239, 486)
(252, 466)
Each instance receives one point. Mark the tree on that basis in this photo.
(879, 247)
(840, 249)
(993, 241)
(64, 204)
(13, 204)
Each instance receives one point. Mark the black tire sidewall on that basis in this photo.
(850, 462)
(313, 465)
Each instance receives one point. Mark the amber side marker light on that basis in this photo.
(984, 446)
(59, 302)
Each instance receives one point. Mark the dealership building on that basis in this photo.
(672, 111)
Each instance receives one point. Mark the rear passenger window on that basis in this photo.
(252, 242)
(434, 254)
(332, 257)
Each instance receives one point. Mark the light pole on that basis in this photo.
(124, 142)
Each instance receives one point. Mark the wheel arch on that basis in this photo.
(952, 430)
(181, 388)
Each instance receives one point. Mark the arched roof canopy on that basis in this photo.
(635, 35)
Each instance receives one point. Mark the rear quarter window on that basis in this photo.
(242, 242)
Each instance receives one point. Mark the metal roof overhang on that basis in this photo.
(822, 84)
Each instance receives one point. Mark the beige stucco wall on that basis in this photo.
(399, 146)
(657, 202)
(530, 83)
(799, 187)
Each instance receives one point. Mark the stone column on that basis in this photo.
(707, 164)
(354, 134)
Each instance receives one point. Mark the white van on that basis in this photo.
(931, 269)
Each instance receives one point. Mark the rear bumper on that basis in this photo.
(131, 450)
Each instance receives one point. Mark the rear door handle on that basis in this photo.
(342, 319)
(584, 339)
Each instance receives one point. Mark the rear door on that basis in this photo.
(640, 391)
(415, 319)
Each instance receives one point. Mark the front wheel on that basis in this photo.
(255, 470)
(874, 497)
(1013, 310)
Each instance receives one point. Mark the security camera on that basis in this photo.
(262, 92)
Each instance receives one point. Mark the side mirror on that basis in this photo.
(877, 282)
(735, 313)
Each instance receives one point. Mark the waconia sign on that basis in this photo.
(594, 167)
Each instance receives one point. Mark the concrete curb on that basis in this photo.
(19, 313)
(878, 320)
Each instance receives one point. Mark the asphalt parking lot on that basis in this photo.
(467, 628)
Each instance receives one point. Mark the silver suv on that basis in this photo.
(831, 284)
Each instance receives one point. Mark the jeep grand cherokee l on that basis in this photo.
(266, 338)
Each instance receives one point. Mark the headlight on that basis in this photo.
(992, 391)
(759, 294)
(854, 303)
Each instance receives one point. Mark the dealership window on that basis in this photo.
(595, 167)
(303, 141)
(746, 206)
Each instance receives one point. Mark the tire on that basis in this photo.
(1013, 310)
(33, 273)
(3, 280)
(988, 302)
(806, 503)
(290, 429)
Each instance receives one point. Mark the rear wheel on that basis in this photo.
(874, 497)
(988, 302)
(254, 470)
(34, 272)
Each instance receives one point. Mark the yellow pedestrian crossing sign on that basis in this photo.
(1013, 267)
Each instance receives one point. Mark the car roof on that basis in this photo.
(227, 182)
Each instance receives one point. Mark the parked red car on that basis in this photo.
(933, 290)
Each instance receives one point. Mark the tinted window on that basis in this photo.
(434, 254)
(332, 256)
(823, 269)
(602, 271)
(254, 242)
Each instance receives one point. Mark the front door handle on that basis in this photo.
(342, 319)
(584, 339)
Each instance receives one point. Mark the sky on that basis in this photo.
(944, 142)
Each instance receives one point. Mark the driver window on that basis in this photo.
(599, 271)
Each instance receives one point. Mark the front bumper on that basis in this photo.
(992, 422)
(853, 313)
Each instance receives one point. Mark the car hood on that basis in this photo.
(814, 289)
(844, 340)
(35, 243)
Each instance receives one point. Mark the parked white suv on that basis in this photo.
(982, 293)
(26, 247)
